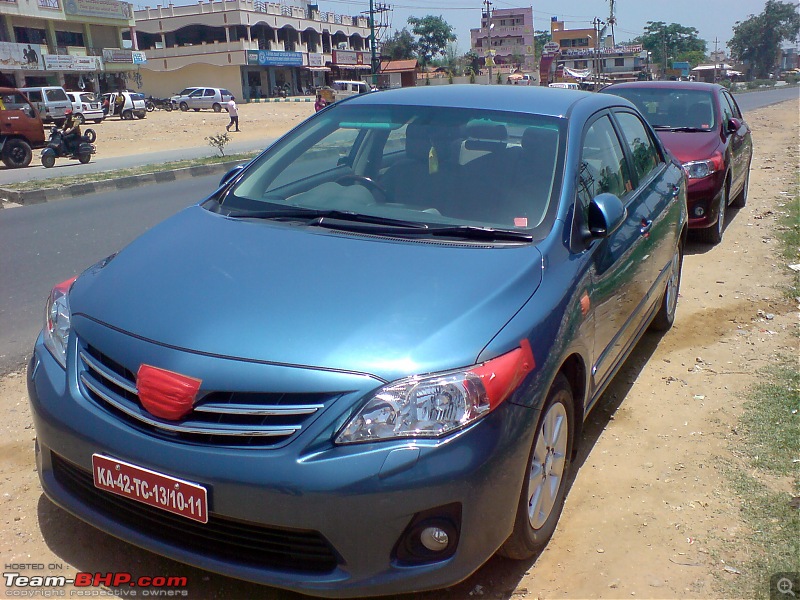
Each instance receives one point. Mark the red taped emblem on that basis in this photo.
(166, 394)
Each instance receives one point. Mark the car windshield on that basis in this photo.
(672, 108)
(428, 166)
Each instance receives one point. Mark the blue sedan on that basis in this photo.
(361, 366)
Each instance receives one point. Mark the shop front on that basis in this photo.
(351, 65)
(272, 73)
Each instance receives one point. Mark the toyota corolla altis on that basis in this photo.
(361, 365)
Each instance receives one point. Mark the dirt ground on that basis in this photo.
(649, 514)
(162, 130)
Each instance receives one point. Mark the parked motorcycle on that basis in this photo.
(152, 103)
(82, 150)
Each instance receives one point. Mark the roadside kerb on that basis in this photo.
(106, 185)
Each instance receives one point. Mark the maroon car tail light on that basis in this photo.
(166, 394)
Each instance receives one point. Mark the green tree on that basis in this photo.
(472, 61)
(517, 58)
(433, 35)
(758, 39)
(540, 38)
(671, 42)
(399, 46)
(451, 59)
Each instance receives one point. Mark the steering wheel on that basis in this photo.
(367, 182)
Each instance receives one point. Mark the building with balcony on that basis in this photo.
(75, 44)
(253, 48)
(582, 55)
(505, 35)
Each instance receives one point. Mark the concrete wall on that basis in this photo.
(165, 84)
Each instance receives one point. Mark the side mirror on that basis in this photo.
(734, 125)
(231, 174)
(606, 215)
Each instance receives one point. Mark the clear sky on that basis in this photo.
(712, 18)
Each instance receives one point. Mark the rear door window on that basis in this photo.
(209, 92)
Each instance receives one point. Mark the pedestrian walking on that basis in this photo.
(234, 113)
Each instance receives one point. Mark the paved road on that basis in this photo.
(758, 99)
(44, 244)
(64, 167)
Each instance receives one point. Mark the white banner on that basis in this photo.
(21, 56)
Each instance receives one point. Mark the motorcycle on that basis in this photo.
(152, 103)
(82, 150)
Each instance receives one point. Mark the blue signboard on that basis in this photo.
(274, 58)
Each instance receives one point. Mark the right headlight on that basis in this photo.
(434, 405)
(57, 321)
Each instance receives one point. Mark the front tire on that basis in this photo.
(741, 200)
(184, 106)
(545, 485)
(48, 160)
(665, 316)
(17, 154)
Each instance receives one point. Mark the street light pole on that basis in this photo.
(489, 58)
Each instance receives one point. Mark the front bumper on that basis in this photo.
(357, 501)
(703, 196)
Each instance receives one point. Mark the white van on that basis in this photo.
(50, 101)
(345, 89)
(565, 86)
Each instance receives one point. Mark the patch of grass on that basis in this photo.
(766, 478)
(57, 182)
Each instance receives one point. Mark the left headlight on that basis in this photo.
(434, 405)
(697, 169)
(57, 319)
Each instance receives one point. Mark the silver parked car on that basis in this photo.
(202, 97)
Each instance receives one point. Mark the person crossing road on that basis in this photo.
(233, 111)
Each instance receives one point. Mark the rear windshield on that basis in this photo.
(437, 165)
(56, 95)
(87, 97)
(669, 108)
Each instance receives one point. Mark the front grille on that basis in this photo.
(218, 417)
(221, 538)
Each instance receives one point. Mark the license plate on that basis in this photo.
(149, 487)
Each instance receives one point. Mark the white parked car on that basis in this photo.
(345, 89)
(86, 106)
(132, 105)
(202, 97)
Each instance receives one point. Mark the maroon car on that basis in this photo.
(702, 126)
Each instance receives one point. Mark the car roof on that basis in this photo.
(669, 85)
(521, 99)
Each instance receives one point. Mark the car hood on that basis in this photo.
(687, 146)
(264, 291)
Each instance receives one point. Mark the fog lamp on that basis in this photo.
(699, 211)
(434, 538)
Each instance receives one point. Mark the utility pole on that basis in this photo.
(488, 56)
(374, 61)
(598, 24)
(716, 42)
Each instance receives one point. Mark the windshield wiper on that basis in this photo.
(326, 218)
(472, 232)
(675, 128)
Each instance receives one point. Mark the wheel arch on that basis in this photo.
(574, 369)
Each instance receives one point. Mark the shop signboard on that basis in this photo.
(349, 58)
(103, 9)
(315, 59)
(67, 62)
(139, 57)
(274, 58)
(117, 55)
(21, 56)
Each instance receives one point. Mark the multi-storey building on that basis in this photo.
(507, 35)
(581, 54)
(76, 44)
(253, 48)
